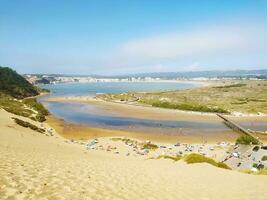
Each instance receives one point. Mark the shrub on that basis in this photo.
(247, 140)
(174, 158)
(264, 158)
(223, 165)
(190, 107)
(255, 165)
(34, 104)
(28, 125)
(150, 146)
(13, 106)
(197, 158)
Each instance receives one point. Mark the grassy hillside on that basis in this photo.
(13, 92)
(242, 96)
(15, 85)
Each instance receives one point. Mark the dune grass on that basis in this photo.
(34, 104)
(29, 108)
(174, 158)
(197, 158)
(14, 106)
(28, 125)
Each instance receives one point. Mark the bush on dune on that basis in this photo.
(174, 158)
(150, 146)
(197, 158)
(27, 125)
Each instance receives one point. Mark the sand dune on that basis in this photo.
(35, 166)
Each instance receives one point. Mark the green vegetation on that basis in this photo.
(15, 85)
(150, 146)
(264, 158)
(239, 96)
(188, 106)
(197, 158)
(14, 106)
(255, 165)
(13, 90)
(42, 111)
(27, 107)
(232, 86)
(247, 140)
(28, 125)
(174, 158)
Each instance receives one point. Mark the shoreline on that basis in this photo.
(85, 132)
(194, 114)
(125, 110)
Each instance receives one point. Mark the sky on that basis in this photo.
(116, 37)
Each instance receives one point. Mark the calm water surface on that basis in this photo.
(91, 115)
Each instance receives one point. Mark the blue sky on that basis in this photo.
(120, 37)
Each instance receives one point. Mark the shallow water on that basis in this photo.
(89, 114)
(85, 114)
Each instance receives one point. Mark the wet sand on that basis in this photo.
(82, 132)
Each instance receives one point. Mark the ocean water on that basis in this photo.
(88, 114)
(91, 89)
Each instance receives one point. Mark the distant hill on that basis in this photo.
(262, 74)
(15, 85)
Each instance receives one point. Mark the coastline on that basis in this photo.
(149, 112)
(86, 132)
(143, 112)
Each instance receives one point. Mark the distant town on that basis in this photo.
(57, 79)
(150, 77)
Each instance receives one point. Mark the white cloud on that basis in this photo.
(190, 46)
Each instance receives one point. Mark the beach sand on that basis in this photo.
(35, 166)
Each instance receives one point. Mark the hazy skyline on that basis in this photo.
(120, 37)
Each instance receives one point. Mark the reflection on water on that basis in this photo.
(92, 115)
(86, 114)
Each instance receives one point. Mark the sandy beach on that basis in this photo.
(36, 166)
(40, 167)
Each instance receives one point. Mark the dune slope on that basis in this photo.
(35, 166)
